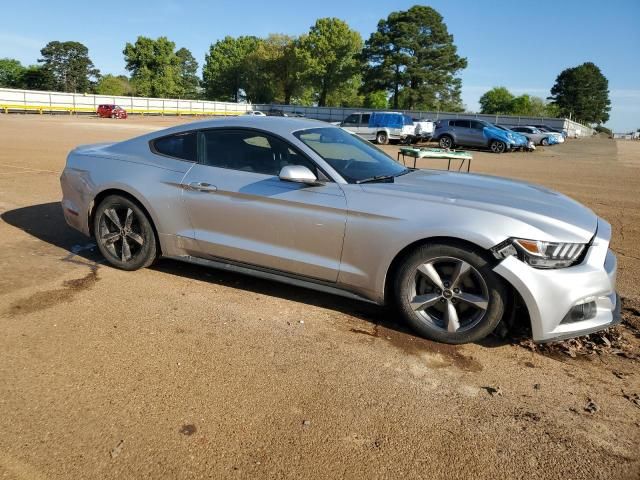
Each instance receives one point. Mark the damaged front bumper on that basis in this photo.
(569, 302)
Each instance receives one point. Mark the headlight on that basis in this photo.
(540, 254)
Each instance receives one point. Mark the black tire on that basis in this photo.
(497, 146)
(382, 138)
(137, 233)
(544, 142)
(475, 322)
(445, 142)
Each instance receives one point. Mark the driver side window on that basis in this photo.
(249, 151)
(352, 119)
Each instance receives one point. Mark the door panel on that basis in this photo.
(476, 134)
(257, 218)
(352, 122)
(364, 130)
(463, 132)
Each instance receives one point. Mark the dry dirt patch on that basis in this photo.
(183, 372)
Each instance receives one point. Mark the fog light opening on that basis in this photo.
(578, 313)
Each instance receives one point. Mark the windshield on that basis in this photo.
(353, 158)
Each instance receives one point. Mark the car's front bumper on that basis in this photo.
(551, 294)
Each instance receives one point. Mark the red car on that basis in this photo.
(111, 111)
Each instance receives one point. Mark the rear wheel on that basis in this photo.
(124, 234)
(497, 146)
(449, 293)
(446, 142)
(382, 138)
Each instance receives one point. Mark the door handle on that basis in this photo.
(203, 187)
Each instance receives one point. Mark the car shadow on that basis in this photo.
(46, 222)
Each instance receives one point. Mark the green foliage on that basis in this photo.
(154, 66)
(412, 56)
(225, 75)
(70, 66)
(602, 129)
(498, 100)
(582, 93)
(377, 99)
(114, 85)
(274, 71)
(11, 72)
(347, 94)
(189, 82)
(36, 77)
(330, 55)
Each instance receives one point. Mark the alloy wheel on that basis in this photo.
(120, 233)
(498, 147)
(449, 293)
(445, 142)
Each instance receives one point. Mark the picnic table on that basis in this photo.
(449, 155)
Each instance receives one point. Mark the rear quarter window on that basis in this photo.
(181, 145)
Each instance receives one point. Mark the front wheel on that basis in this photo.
(446, 142)
(497, 146)
(124, 234)
(544, 142)
(449, 293)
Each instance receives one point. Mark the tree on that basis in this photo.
(70, 66)
(330, 53)
(412, 52)
(377, 99)
(347, 94)
(114, 85)
(582, 93)
(498, 100)
(605, 130)
(224, 73)
(189, 81)
(154, 67)
(274, 71)
(11, 72)
(36, 77)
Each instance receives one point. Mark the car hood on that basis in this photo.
(497, 133)
(554, 215)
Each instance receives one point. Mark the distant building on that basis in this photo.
(624, 136)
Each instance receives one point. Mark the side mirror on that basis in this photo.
(298, 174)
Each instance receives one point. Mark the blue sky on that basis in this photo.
(520, 45)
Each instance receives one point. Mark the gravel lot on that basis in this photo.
(182, 372)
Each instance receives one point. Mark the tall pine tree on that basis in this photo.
(412, 56)
(582, 93)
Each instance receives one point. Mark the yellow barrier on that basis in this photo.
(72, 110)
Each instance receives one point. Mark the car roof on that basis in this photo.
(277, 125)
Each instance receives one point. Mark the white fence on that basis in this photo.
(12, 100)
(20, 100)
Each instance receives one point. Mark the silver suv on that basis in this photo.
(473, 133)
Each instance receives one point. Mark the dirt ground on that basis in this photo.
(179, 371)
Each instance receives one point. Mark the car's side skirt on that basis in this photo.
(275, 275)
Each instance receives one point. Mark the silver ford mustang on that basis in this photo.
(304, 202)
